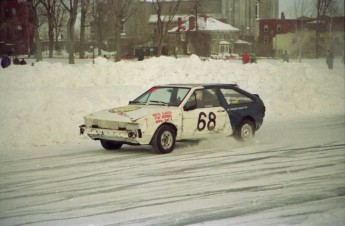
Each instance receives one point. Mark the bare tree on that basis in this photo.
(200, 41)
(60, 18)
(121, 10)
(195, 9)
(300, 11)
(99, 11)
(321, 9)
(72, 8)
(165, 11)
(50, 7)
(332, 11)
(37, 15)
(84, 9)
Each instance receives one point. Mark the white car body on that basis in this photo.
(169, 113)
(124, 123)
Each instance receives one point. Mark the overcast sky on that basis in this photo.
(287, 6)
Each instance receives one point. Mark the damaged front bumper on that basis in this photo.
(125, 136)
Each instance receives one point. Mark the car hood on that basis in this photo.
(127, 113)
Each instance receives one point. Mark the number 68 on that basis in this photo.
(211, 124)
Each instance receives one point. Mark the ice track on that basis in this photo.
(291, 173)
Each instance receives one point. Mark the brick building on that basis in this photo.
(16, 26)
(277, 35)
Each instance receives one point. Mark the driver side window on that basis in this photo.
(191, 103)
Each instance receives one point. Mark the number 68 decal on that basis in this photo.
(204, 121)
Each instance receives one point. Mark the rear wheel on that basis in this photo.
(245, 130)
(163, 141)
(110, 145)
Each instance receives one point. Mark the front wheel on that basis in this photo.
(110, 145)
(245, 130)
(163, 141)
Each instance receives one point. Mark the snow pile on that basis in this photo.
(44, 104)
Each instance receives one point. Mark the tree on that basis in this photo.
(321, 9)
(165, 11)
(84, 9)
(195, 8)
(200, 41)
(300, 11)
(324, 8)
(37, 14)
(60, 18)
(50, 7)
(121, 10)
(99, 11)
(72, 8)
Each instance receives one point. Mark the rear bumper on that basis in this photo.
(125, 136)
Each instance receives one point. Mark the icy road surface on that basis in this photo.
(292, 173)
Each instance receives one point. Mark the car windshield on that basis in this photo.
(171, 96)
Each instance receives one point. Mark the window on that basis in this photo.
(14, 12)
(322, 41)
(279, 27)
(222, 36)
(265, 39)
(257, 9)
(204, 98)
(6, 13)
(235, 97)
(265, 28)
(163, 95)
(223, 48)
(183, 37)
(123, 32)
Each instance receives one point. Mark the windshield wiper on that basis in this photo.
(159, 102)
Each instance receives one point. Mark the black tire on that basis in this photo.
(110, 145)
(163, 142)
(245, 131)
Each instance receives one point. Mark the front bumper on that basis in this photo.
(125, 136)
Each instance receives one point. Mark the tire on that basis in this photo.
(111, 145)
(163, 142)
(245, 131)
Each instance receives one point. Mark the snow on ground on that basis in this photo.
(291, 174)
(44, 104)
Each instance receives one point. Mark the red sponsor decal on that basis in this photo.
(162, 116)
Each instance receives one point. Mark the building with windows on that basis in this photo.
(16, 27)
(244, 14)
(299, 36)
(204, 36)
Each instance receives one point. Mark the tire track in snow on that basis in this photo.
(196, 183)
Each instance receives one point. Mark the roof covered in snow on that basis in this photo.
(206, 24)
(153, 18)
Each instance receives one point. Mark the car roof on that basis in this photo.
(205, 85)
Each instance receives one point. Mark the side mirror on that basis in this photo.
(189, 107)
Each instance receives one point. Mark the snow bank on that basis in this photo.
(44, 104)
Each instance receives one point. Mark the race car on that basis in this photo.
(165, 114)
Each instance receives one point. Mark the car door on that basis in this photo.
(238, 105)
(205, 118)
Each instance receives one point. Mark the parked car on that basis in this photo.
(168, 113)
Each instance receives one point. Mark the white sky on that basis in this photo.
(287, 6)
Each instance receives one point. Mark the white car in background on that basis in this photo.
(169, 113)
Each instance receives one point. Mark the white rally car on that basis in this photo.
(169, 113)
